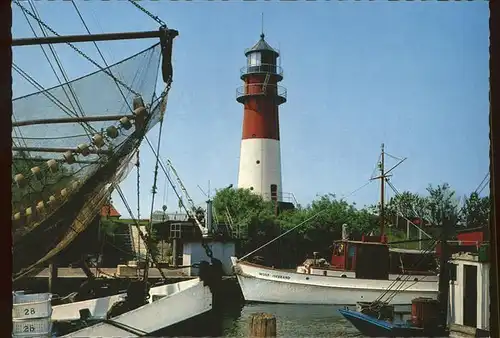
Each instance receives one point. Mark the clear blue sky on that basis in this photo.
(411, 75)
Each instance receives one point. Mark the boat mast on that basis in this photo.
(382, 191)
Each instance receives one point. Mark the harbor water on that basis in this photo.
(292, 321)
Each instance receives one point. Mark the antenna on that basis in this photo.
(262, 24)
(279, 51)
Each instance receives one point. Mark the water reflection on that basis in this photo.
(294, 321)
(232, 320)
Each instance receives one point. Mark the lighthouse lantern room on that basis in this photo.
(260, 158)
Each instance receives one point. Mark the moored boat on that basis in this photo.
(359, 281)
(351, 277)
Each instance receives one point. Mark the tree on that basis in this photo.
(443, 204)
(247, 211)
(321, 221)
(475, 210)
(407, 204)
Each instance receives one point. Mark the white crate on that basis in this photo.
(37, 305)
(50, 335)
(31, 327)
(19, 297)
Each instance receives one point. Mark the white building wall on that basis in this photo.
(193, 252)
(260, 166)
(457, 287)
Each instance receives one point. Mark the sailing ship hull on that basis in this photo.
(169, 306)
(267, 285)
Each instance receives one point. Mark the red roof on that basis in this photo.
(108, 210)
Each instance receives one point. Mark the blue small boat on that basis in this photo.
(370, 326)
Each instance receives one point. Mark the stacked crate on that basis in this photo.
(31, 315)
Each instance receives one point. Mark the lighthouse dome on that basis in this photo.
(261, 46)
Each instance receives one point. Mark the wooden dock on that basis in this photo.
(112, 273)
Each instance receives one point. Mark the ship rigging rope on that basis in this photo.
(391, 292)
(164, 94)
(49, 95)
(297, 226)
(144, 10)
(138, 164)
(153, 191)
(58, 62)
(389, 183)
(106, 71)
(136, 223)
(87, 127)
(50, 64)
(206, 247)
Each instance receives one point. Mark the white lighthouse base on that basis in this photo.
(260, 166)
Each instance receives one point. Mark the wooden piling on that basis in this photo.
(52, 276)
(262, 325)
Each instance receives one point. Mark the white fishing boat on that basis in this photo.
(359, 271)
(364, 282)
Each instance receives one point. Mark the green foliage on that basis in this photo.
(441, 203)
(109, 226)
(475, 210)
(407, 204)
(258, 223)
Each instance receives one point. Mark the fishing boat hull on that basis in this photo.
(373, 327)
(267, 285)
(168, 306)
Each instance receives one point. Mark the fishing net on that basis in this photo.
(64, 172)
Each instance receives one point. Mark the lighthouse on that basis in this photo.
(260, 157)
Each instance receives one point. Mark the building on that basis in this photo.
(260, 156)
(469, 301)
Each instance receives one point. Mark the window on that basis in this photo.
(254, 59)
(274, 192)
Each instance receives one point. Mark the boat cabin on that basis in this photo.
(359, 257)
(412, 261)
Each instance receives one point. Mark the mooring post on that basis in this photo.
(52, 276)
(262, 325)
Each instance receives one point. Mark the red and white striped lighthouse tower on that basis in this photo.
(260, 158)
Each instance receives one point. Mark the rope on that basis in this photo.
(391, 293)
(50, 63)
(142, 9)
(125, 327)
(136, 223)
(50, 96)
(297, 226)
(137, 164)
(154, 189)
(75, 48)
(59, 64)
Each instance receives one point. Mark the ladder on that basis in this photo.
(266, 82)
(231, 223)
